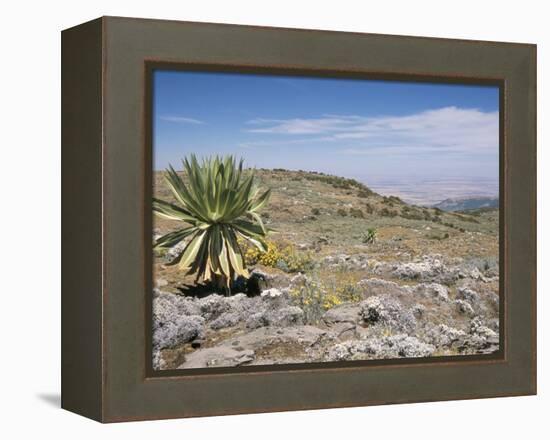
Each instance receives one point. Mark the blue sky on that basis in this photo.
(354, 128)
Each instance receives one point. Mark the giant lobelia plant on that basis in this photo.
(219, 204)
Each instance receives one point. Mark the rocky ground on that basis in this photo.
(427, 286)
(433, 308)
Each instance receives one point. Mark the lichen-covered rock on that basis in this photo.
(429, 268)
(385, 310)
(305, 335)
(222, 356)
(355, 261)
(265, 345)
(377, 286)
(177, 330)
(175, 320)
(271, 293)
(244, 306)
(342, 313)
(284, 317)
(265, 280)
(344, 330)
(433, 290)
(273, 326)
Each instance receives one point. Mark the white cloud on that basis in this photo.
(180, 119)
(284, 143)
(302, 126)
(449, 129)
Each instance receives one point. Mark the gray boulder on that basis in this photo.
(255, 347)
(429, 268)
(342, 313)
(267, 336)
(284, 317)
(265, 279)
(174, 251)
(433, 290)
(376, 286)
(222, 356)
(244, 306)
(444, 336)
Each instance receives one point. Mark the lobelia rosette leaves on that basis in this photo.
(219, 205)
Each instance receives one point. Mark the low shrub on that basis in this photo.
(411, 214)
(315, 298)
(310, 297)
(369, 236)
(348, 293)
(436, 236)
(285, 258)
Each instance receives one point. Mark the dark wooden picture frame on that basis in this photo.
(106, 215)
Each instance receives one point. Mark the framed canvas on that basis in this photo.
(264, 219)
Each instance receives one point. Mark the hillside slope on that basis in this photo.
(427, 286)
(328, 214)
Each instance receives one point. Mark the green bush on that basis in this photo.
(369, 236)
(385, 212)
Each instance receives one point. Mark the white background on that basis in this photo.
(30, 232)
